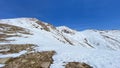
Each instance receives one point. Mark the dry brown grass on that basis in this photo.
(15, 48)
(32, 60)
(3, 37)
(13, 29)
(8, 31)
(43, 25)
(77, 65)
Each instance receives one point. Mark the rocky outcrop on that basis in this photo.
(77, 65)
(32, 60)
(43, 25)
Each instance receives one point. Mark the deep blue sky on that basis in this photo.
(77, 14)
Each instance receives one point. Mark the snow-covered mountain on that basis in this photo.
(99, 48)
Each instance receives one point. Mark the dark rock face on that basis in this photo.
(77, 65)
(68, 32)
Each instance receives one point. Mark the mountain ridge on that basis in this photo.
(98, 48)
(65, 34)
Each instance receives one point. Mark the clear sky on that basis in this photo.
(77, 14)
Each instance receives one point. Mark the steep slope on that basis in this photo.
(100, 49)
(108, 39)
(41, 32)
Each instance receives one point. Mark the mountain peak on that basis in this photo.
(66, 29)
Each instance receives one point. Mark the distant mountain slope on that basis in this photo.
(109, 39)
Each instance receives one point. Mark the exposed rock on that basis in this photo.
(8, 31)
(77, 65)
(43, 25)
(66, 30)
(15, 48)
(32, 60)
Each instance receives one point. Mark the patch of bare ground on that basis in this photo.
(3, 37)
(7, 31)
(13, 29)
(77, 65)
(43, 26)
(32, 60)
(15, 48)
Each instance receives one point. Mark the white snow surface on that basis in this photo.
(13, 55)
(100, 49)
(2, 65)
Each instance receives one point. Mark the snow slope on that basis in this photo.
(100, 49)
(108, 39)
